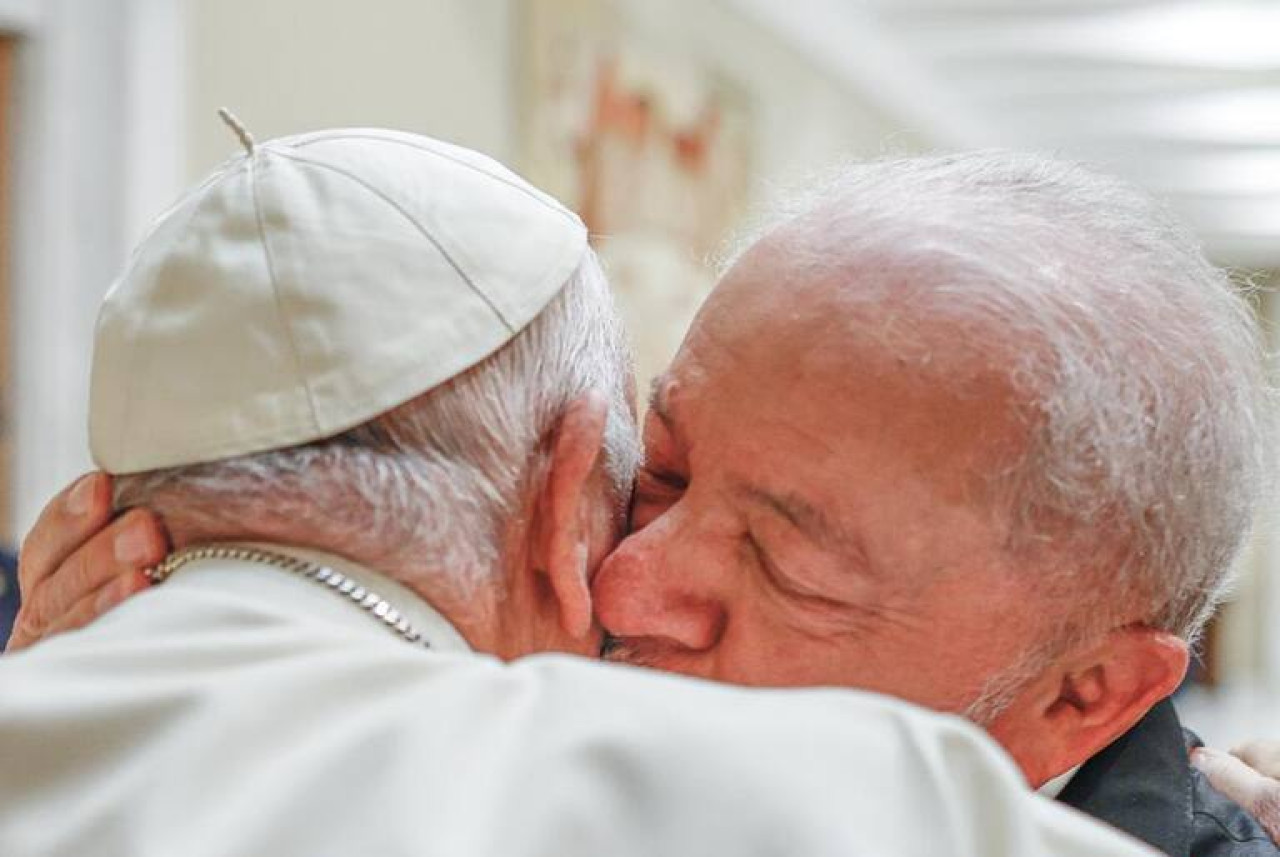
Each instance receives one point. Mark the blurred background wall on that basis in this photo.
(666, 122)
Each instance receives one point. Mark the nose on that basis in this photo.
(649, 588)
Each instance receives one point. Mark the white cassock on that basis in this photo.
(241, 710)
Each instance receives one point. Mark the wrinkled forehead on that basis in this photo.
(787, 304)
(856, 365)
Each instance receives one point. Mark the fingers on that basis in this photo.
(95, 604)
(1258, 794)
(1262, 756)
(131, 544)
(64, 524)
(78, 589)
(88, 608)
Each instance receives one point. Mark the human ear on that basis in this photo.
(1088, 699)
(568, 503)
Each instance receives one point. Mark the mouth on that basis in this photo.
(637, 652)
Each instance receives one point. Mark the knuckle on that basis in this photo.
(76, 576)
(1267, 808)
(1268, 757)
(31, 619)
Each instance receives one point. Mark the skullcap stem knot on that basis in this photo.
(246, 139)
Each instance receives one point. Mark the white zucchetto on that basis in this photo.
(311, 284)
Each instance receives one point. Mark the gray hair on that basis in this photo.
(1138, 365)
(438, 484)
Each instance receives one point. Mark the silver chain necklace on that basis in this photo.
(370, 602)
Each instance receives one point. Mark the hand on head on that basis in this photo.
(78, 562)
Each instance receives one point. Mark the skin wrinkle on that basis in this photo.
(810, 520)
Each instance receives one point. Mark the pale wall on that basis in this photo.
(94, 94)
(447, 68)
(804, 119)
(435, 67)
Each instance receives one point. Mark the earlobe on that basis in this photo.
(568, 500)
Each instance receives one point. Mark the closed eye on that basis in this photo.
(661, 479)
(655, 490)
(785, 584)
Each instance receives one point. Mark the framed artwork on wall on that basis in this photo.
(650, 146)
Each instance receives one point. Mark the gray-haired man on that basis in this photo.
(984, 432)
(981, 432)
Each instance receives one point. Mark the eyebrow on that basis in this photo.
(658, 403)
(810, 521)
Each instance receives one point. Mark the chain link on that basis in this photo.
(370, 602)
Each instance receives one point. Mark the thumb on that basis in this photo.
(1259, 795)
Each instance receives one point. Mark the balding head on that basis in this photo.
(1136, 367)
(984, 432)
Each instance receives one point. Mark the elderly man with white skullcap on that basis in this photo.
(375, 386)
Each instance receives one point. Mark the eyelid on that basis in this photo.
(652, 493)
(784, 583)
(665, 478)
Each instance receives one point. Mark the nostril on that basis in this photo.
(694, 624)
(718, 629)
(714, 624)
(659, 616)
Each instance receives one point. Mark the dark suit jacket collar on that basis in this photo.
(1142, 784)
(8, 594)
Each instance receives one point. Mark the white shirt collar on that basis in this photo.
(1054, 787)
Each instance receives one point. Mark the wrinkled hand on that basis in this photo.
(77, 563)
(1250, 776)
